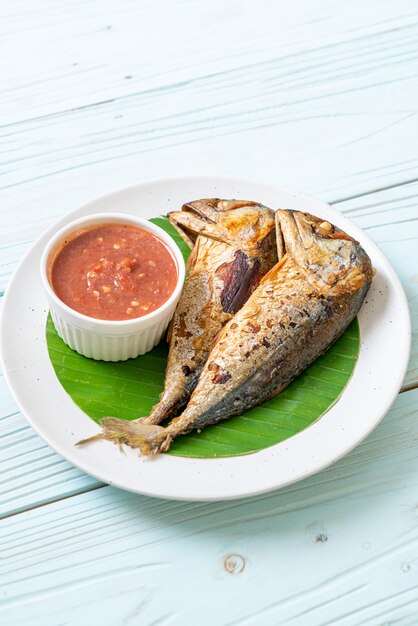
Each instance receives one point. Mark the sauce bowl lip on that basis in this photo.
(114, 218)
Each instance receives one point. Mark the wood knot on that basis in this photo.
(234, 563)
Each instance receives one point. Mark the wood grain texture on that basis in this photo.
(390, 217)
(321, 96)
(339, 548)
(74, 54)
(114, 105)
(30, 472)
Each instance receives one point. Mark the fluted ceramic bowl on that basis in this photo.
(109, 340)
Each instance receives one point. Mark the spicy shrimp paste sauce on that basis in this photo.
(114, 272)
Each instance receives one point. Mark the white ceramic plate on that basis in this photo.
(385, 344)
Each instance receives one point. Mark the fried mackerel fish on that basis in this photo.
(299, 309)
(233, 246)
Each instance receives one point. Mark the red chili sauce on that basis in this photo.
(114, 272)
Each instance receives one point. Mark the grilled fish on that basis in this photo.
(299, 309)
(233, 245)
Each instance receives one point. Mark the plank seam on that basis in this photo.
(52, 501)
(377, 190)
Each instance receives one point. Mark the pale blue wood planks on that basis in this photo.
(30, 472)
(322, 96)
(390, 217)
(339, 547)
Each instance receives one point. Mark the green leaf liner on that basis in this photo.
(129, 389)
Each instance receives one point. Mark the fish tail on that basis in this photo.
(149, 438)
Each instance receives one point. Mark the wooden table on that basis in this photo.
(321, 96)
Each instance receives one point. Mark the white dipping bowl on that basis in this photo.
(109, 340)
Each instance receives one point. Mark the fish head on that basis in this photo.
(332, 261)
(241, 223)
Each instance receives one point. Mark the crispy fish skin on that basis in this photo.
(300, 308)
(233, 246)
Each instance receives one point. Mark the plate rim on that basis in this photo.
(211, 180)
